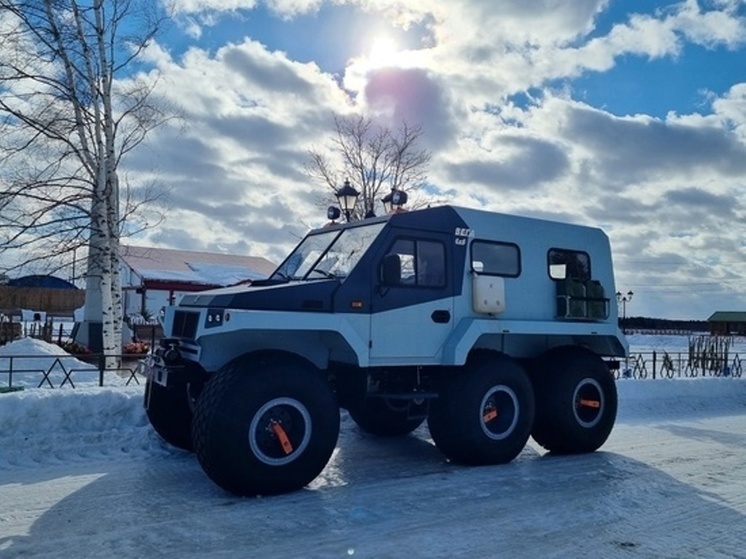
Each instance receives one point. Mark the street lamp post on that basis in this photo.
(347, 198)
(624, 299)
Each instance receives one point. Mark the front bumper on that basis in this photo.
(167, 367)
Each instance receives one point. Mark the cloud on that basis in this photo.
(531, 21)
(197, 6)
(412, 96)
(513, 163)
(723, 206)
(254, 65)
(732, 109)
(639, 147)
(290, 8)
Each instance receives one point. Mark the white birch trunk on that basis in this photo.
(112, 181)
(107, 305)
(90, 335)
(105, 217)
(114, 270)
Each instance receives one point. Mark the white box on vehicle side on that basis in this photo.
(489, 295)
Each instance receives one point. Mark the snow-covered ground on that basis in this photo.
(83, 475)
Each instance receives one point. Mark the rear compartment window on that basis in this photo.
(572, 264)
(496, 259)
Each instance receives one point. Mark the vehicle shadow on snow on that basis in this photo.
(737, 440)
(387, 498)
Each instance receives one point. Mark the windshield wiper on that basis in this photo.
(324, 273)
(282, 276)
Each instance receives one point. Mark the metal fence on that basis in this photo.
(18, 371)
(663, 365)
(67, 371)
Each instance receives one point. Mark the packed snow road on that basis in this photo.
(82, 475)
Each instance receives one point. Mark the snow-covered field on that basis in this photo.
(83, 475)
(645, 343)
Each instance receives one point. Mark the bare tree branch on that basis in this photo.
(374, 158)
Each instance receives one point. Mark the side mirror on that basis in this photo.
(391, 270)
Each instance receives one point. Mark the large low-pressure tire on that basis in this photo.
(170, 414)
(385, 417)
(576, 401)
(265, 426)
(483, 415)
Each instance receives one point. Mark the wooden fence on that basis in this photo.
(61, 302)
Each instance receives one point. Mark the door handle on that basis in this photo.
(441, 316)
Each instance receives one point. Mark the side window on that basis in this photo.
(431, 264)
(404, 248)
(496, 259)
(571, 264)
(423, 263)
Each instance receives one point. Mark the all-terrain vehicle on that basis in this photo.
(491, 327)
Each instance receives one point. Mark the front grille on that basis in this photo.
(185, 324)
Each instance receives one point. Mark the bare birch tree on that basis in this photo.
(72, 105)
(374, 158)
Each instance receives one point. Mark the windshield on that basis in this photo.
(329, 254)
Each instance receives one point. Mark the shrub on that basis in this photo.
(74, 348)
(137, 348)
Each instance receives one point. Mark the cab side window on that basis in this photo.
(431, 264)
(423, 263)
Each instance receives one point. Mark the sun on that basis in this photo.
(383, 51)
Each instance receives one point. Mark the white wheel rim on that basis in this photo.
(507, 409)
(265, 444)
(586, 415)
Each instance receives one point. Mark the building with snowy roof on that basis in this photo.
(727, 323)
(155, 277)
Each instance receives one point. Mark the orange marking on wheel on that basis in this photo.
(590, 403)
(282, 437)
(490, 415)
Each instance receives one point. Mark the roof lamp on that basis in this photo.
(347, 198)
(398, 198)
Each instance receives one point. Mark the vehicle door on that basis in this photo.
(412, 299)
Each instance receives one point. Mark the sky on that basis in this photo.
(629, 115)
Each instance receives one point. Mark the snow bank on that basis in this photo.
(32, 411)
(45, 428)
(681, 397)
